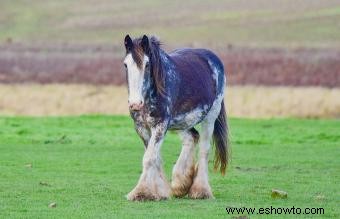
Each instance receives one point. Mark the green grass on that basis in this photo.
(88, 164)
(212, 23)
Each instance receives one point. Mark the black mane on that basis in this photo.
(156, 66)
(152, 50)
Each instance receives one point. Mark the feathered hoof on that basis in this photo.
(200, 192)
(179, 191)
(145, 194)
(140, 196)
(181, 183)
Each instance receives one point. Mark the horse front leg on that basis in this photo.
(152, 184)
(143, 132)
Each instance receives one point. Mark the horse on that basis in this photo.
(176, 91)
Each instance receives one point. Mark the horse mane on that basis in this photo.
(155, 60)
(156, 65)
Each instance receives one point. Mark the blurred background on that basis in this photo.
(282, 57)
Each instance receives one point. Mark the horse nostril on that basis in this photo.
(136, 106)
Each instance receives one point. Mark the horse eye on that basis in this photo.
(147, 65)
(125, 65)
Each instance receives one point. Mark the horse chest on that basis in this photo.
(144, 118)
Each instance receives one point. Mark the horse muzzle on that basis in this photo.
(136, 106)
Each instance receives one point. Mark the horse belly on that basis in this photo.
(189, 119)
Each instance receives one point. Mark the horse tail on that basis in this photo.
(221, 141)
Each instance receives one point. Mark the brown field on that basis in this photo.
(103, 65)
(261, 42)
(241, 101)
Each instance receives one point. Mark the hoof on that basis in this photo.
(200, 192)
(142, 196)
(145, 194)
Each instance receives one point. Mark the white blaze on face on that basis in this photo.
(135, 79)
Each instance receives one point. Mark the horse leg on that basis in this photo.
(152, 184)
(200, 188)
(184, 169)
(143, 132)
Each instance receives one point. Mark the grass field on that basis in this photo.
(86, 165)
(285, 23)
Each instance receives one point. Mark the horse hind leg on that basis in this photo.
(184, 169)
(200, 188)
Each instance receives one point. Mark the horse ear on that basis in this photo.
(128, 43)
(145, 43)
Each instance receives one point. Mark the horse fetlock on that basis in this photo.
(181, 182)
(200, 189)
